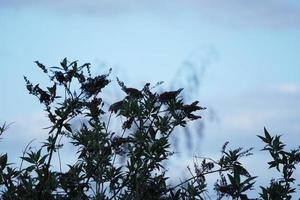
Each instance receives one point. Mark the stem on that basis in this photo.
(196, 176)
(120, 188)
(212, 160)
(59, 154)
(52, 147)
(115, 153)
(25, 152)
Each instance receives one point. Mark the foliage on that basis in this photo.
(142, 142)
(285, 162)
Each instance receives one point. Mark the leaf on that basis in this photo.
(40, 65)
(64, 64)
(30, 168)
(3, 161)
(28, 159)
(262, 138)
(267, 136)
(244, 197)
(42, 160)
(38, 154)
(248, 184)
(68, 127)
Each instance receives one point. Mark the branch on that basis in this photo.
(197, 176)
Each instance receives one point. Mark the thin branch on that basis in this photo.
(58, 153)
(25, 150)
(197, 176)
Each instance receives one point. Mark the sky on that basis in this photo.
(245, 55)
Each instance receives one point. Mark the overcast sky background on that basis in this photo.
(249, 50)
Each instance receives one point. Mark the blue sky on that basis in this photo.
(249, 49)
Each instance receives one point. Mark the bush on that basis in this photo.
(141, 144)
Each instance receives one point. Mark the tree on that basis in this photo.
(147, 119)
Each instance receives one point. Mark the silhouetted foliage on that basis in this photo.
(143, 140)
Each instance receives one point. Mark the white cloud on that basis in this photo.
(239, 121)
(268, 13)
(277, 107)
(235, 13)
(289, 88)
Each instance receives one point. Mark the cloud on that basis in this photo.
(231, 13)
(99, 7)
(268, 13)
(277, 107)
(289, 88)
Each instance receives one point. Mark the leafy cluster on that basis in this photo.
(285, 162)
(129, 162)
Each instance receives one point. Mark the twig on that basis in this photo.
(25, 152)
(196, 176)
(58, 153)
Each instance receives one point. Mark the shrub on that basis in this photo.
(141, 144)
